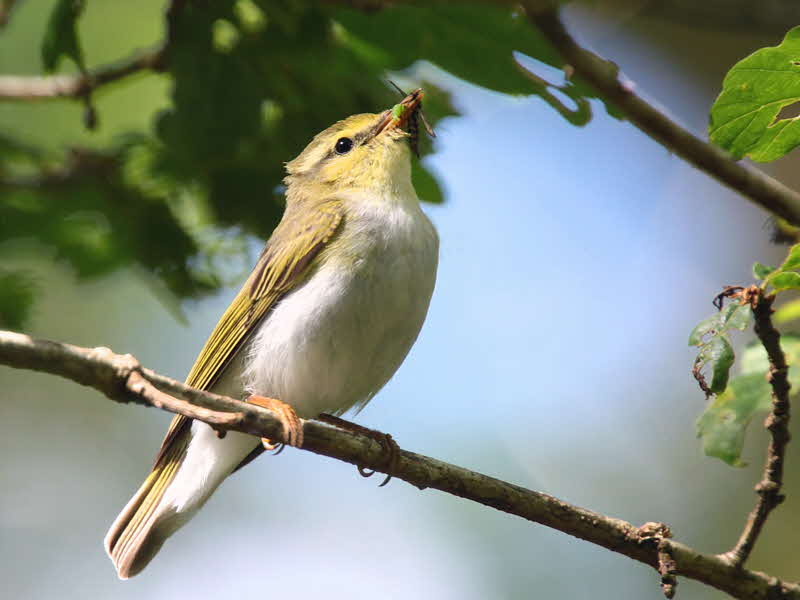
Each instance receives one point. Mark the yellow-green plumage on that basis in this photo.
(332, 306)
(282, 264)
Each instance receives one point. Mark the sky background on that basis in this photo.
(574, 262)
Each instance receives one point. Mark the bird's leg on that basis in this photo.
(292, 427)
(390, 447)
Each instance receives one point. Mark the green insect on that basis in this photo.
(413, 121)
(397, 111)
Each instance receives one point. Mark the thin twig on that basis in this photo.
(769, 488)
(80, 86)
(14, 87)
(604, 76)
(120, 378)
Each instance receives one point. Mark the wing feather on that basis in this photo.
(282, 266)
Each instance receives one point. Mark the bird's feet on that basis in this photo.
(292, 427)
(391, 449)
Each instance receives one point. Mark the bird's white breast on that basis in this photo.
(333, 342)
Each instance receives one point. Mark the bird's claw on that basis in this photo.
(292, 427)
(391, 449)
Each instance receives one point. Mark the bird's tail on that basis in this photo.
(146, 521)
(191, 465)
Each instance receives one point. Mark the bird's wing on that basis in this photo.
(282, 265)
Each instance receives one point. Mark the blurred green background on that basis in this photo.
(574, 262)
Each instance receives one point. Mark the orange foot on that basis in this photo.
(391, 449)
(292, 427)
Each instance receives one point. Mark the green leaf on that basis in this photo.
(425, 184)
(17, 291)
(754, 359)
(722, 358)
(733, 315)
(463, 39)
(738, 318)
(785, 281)
(787, 312)
(475, 42)
(793, 259)
(718, 353)
(761, 271)
(61, 36)
(722, 425)
(703, 328)
(745, 118)
(724, 422)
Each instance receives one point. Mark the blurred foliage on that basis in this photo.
(788, 312)
(785, 277)
(723, 424)
(16, 297)
(716, 352)
(251, 82)
(751, 116)
(783, 232)
(61, 39)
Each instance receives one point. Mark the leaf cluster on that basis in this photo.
(723, 424)
(752, 116)
(716, 351)
(251, 82)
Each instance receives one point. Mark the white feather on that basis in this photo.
(333, 342)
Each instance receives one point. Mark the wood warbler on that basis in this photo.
(329, 312)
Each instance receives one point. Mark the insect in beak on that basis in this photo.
(412, 119)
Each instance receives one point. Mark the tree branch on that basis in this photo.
(121, 378)
(13, 87)
(604, 76)
(769, 488)
(20, 87)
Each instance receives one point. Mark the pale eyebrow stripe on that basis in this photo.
(359, 138)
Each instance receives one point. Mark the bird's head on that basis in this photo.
(362, 152)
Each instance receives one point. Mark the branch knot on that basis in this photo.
(114, 378)
(660, 534)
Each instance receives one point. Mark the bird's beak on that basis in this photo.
(397, 116)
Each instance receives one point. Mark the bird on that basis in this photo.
(332, 307)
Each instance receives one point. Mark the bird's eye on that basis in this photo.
(343, 145)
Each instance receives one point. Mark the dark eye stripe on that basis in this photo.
(362, 137)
